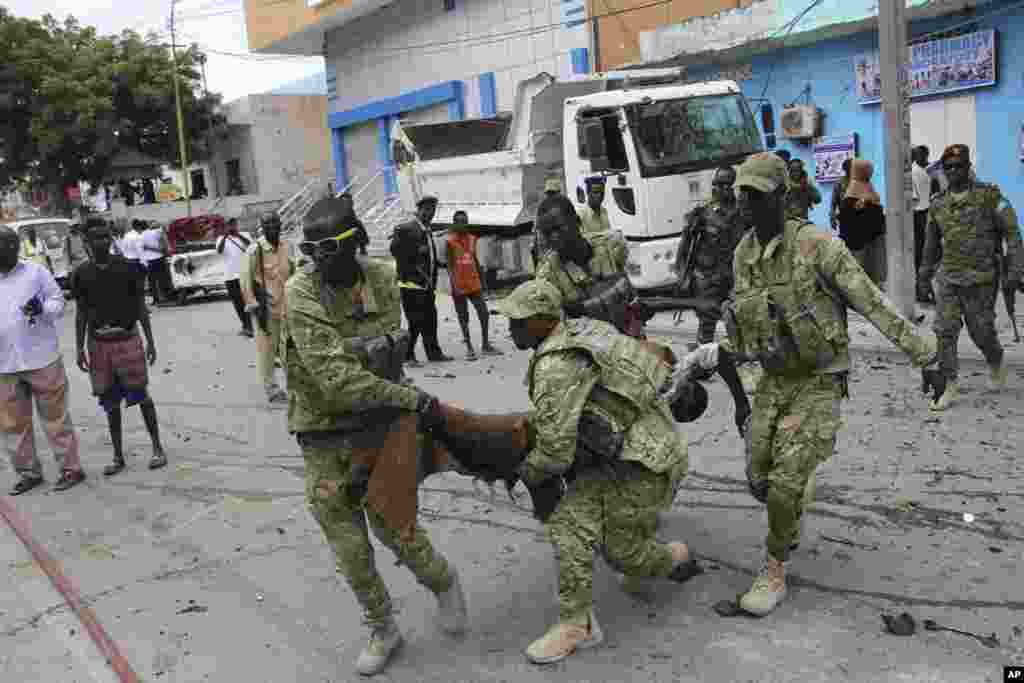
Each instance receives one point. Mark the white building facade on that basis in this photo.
(424, 61)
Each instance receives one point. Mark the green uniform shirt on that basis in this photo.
(325, 380)
(965, 235)
(572, 281)
(810, 261)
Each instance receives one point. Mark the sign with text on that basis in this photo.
(937, 66)
(829, 155)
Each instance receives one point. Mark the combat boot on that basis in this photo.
(563, 639)
(768, 590)
(999, 376)
(384, 642)
(451, 607)
(949, 396)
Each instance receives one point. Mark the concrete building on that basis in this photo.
(418, 60)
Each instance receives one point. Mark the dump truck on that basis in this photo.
(655, 138)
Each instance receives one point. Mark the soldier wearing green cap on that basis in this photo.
(967, 225)
(343, 354)
(793, 284)
(602, 430)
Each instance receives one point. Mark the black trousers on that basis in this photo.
(235, 292)
(159, 279)
(920, 226)
(421, 312)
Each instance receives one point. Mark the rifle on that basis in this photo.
(684, 262)
(259, 292)
(1009, 292)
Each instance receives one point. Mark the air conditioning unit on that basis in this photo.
(800, 122)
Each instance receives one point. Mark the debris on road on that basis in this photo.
(990, 640)
(852, 544)
(902, 625)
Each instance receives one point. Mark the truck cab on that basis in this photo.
(656, 140)
(658, 149)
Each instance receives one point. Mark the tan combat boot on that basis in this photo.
(384, 642)
(563, 639)
(768, 590)
(949, 396)
(999, 376)
(451, 607)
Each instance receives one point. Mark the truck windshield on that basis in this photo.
(677, 136)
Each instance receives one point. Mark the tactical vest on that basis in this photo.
(795, 323)
(630, 375)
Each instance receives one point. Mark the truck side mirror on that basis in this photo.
(768, 124)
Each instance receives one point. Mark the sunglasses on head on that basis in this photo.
(326, 246)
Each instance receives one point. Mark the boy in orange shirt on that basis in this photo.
(464, 271)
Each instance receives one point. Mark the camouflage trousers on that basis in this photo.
(975, 305)
(268, 347)
(793, 430)
(343, 519)
(616, 514)
(49, 387)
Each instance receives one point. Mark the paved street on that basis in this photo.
(213, 570)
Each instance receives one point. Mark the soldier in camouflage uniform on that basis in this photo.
(788, 311)
(712, 233)
(802, 193)
(967, 225)
(579, 266)
(335, 304)
(598, 417)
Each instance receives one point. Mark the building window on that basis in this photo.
(449, 5)
(234, 173)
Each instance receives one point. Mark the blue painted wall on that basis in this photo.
(828, 67)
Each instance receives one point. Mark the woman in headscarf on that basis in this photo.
(862, 220)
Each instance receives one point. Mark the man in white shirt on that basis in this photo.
(131, 244)
(154, 258)
(232, 247)
(922, 186)
(31, 367)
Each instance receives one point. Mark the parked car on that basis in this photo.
(62, 245)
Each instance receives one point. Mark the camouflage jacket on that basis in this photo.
(965, 237)
(572, 281)
(327, 381)
(799, 200)
(816, 271)
(587, 365)
(722, 231)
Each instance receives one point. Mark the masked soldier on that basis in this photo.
(704, 259)
(802, 193)
(343, 354)
(589, 272)
(788, 311)
(964, 242)
(600, 422)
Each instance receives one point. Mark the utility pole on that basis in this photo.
(899, 234)
(182, 147)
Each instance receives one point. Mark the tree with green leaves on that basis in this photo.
(70, 99)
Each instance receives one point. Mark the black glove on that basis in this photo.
(429, 410)
(546, 496)
(33, 308)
